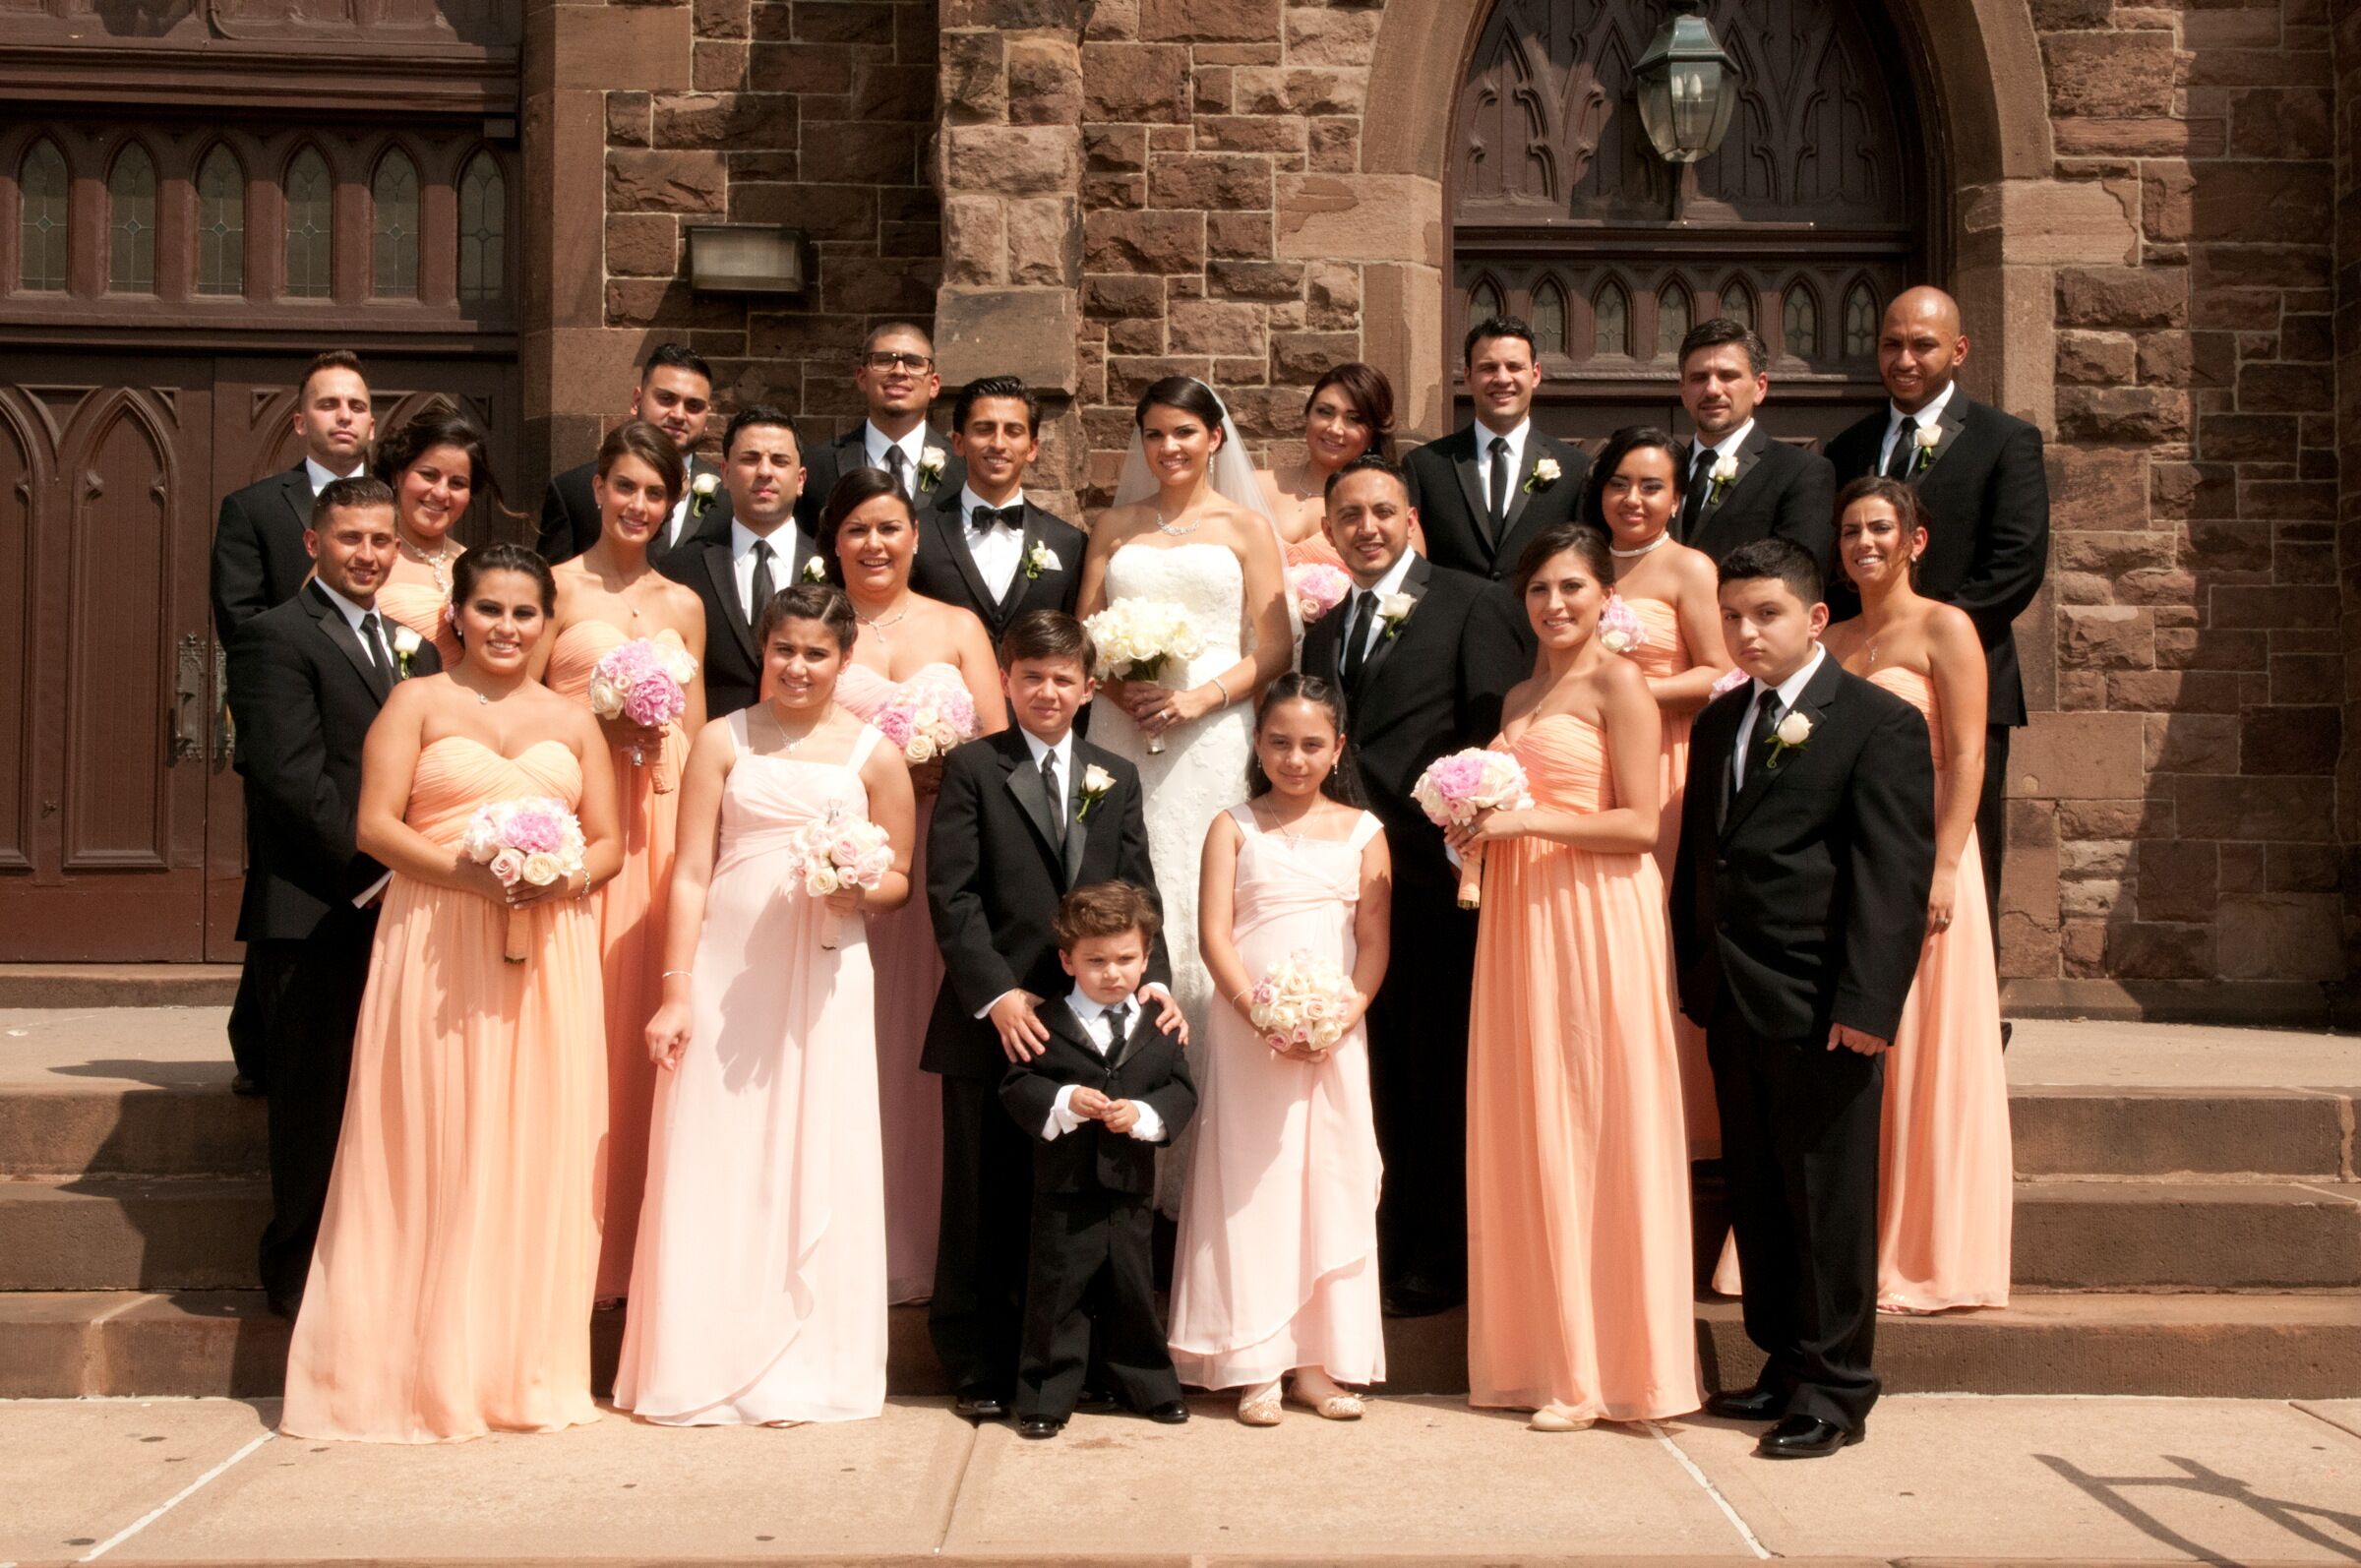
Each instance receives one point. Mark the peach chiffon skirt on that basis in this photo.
(1579, 1286)
(450, 1294)
(1667, 653)
(421, 607)
(630, 939)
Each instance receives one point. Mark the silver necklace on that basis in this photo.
(1172, 529)
(1658, 542)
(438, 562)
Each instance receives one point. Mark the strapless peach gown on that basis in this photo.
(421, 607)
(1578, 1177)
(909, 969)
(1276, 1266)
(1665, 653)
(449, 1296)
(631, 939)
(759, 1293)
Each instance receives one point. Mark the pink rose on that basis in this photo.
(509, 867)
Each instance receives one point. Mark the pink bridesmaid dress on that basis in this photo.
(450, 1294)
(1578, 1177)
(1665, 652)
(631, 939)
(422, 607)
(759, 1293)
(909, 968)
(1276, 1266)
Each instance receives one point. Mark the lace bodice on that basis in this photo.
(1205, 579)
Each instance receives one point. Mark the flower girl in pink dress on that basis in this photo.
(1276, 1268)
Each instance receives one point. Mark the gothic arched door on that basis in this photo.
(1808, 219)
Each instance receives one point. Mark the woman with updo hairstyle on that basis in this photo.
(1349, 414)
(448, 1291)
(437, 465)
(759, 1292)
(1579, 1288)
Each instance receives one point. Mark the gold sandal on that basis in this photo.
(1337, 1407)
(1260, 1411)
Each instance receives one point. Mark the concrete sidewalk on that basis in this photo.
(1941, 1479)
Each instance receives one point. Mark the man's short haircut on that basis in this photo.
(887, 328)
(1499, 327)
(361, 490)
(1782, 559)
(1047, 634)
(1106, 909)
(678, 358)
(754, 414)
(329, 359)
(1369, 462)
(996, 387)
(1722, 330)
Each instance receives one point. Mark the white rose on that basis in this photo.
(1725, 469)
(704, 484)
(406, 641)
(1545, 469)
(1615, 640)
(1096, 780)
(815, 570)
(1928, 437)
(1793, 730)
(482, 841)
(679, 663)
(822, 882)
(542, 870)
(920, 748)
(606, 697)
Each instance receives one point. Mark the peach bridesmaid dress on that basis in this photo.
(1578, 1177)
(449, 1296)
(1946, 1170)
(1665, 653)
(631, 939)
(1276, 1266)
(421, 607)
(909, 968)
(759, 1295)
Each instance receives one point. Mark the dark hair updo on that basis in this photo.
(1185, 393)
(857, 489)
(400, 451)
(1581, 538)
(476, 564)
(1371, 393)
(824, 602)
(1342, 782)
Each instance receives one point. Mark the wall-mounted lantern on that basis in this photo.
(1687, 85)
(745, 259)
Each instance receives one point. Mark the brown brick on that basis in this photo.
(2166, 213)
(843, 21)
(644, 245)
(2243, 869)
(828, 68)
(2292, 739)
(1320, 36)
(2302, 868)
(1263, 281)
(1213, 182)
(2192, 743)
(1335, 146)
(2180, 490)
(1210, 20)
(2177, 881)
(1127, 376)
(718, 67)
(2101, 357)
(1121, 294)
(883, 91)
(1014, 159)
(1111, 190)
(1275, 90)
(2187, 648)
(722, 18)
(2151, 137)
(665, 181)
(2146, 950)
(2179, 691)
(2122, 296)
(725, 120)
(1249, 133)
(1114, 146)
(1334, 297)
(881, 155)
(1213, 327)
(1301, 358)
(1243, 236)
(1135, 82)
(2098, 487)
(2270, 388)
(2109, 73)
(1143, 242)
(1044, 82)
(1045, 241)
(2246, 438)
(2144, 415)
(2272, 124)
(628, 119)
(2293, 810)
(2109, 554)
(2283, 936)
(2260, 200)
(2276, 606)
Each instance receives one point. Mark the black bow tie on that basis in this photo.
(983, 518)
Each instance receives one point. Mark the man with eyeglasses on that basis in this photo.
(895, 372)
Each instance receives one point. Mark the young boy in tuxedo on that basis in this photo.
(1023, 817)
(1100, 1097)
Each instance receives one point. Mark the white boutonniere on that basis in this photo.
(406, 644)
(1040, 558)
(1725, 474)
(1927, 438)
(1393, 609)
(701, 491)
(1544, 475)
(816, 570)
(929, 468)
(1792, 734)
(1096, 782)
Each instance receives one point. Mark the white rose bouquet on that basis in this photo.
(537, 840)
(1302, 1003)
(1138, 638)
(926, 718)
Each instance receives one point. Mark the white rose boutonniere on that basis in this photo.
(1040, 558)
(929, 468)
(1544, 473)
(701, 491)
(1792, 734)
(406, 644)
(1927, 438)
(1725, 474)
(1096, 782)
(1393, 609)
(816, 570)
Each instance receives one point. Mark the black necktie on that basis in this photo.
(1357, 635)
(374, 648)
(1049, 777)
(761, 584)
(898, 464)
(1906, 446)
(1499, 483)
(983, 518)
(1699, 481)
(1118, 1027)
(1766, 725)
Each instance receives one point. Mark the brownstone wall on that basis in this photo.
(2347, 51)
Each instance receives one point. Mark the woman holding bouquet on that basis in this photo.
(437, 465)
(1578, 1177)
(450, 1294)
(922, 672)
(620, 643)
(1275, 1269)
(759, 1295)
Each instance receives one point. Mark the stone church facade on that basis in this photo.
(2150, 213)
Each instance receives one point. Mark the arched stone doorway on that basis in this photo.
(1814, 212)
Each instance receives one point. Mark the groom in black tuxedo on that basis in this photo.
(1770, 488)
(1423, 655)
(985, 546)
(1807, 847)
(1483, 491)
(306, 680)
(750, 550)
(1006, 846)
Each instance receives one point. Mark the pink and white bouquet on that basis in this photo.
(926, 718)
(1728, 680)
(1317, 588)
(1620, 628)
(537, 840)
(1462, 786)
(837, 852)
(1301, 1001)
(1137, 637)
(645, 682)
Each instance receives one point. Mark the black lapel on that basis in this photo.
(1470, 460)
(1060, 1019)
(1077, 827)
(296, 487)
(725, 589)
(1520, 496)
(348, 642)
(1033, 797)
(1750, 455)
(1953, 421)
(1761, 780)
(1018, 580)
(1414, 583)
(951, 537)
(1126, 1048)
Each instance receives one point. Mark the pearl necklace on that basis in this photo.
(438, 562)
(1656, 543)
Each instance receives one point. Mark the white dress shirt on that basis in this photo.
(679, 521)
(1727, 447)
(320, 478)
(873, 444)
(1784, 694)
(998, 550)
(1100, 1031)
(1517, 439)
(1923, 417)
(742, 561)
(1036, 749)
(1391, 583)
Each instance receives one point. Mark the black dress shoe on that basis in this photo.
(1172, 1412)
(981, 1404)
(1805, 1437)
(246, 1088)
(1095, 1400)
(1038, 1426)
(1756, 1404)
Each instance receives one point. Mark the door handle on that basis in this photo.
(223, 731)
(188, 699)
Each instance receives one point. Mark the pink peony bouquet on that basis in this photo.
(1731, 679)
(837, 852)
(1303, 1002)
(1620, 628)
(926, 718)
(645, 682)
(1461, 786)
(536, 839)
(1317, 588)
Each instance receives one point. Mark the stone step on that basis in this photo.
(225, 1343)
(131, 1232)
(118, 985)
(2187, 1236)
(2154, 1131)
(113, 1130)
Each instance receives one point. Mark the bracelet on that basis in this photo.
(1223, 686)
(685, 974)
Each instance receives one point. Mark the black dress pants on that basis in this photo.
(1801, 1126)
(976, 1318)
(1419, 1093)
(1992, 820)
(310, 1069)
(263, 976)
(1090, 1305)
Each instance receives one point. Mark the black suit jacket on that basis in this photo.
(1989, 548)
(303, 695)
(1802, 896)
(259, 559)
(733, 665)
(570, 514)
(1432, 687)
(1449, 485)
(1148, 1066)
(1780, 491)
(945, 569)
(993, 880)
(829, 462)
